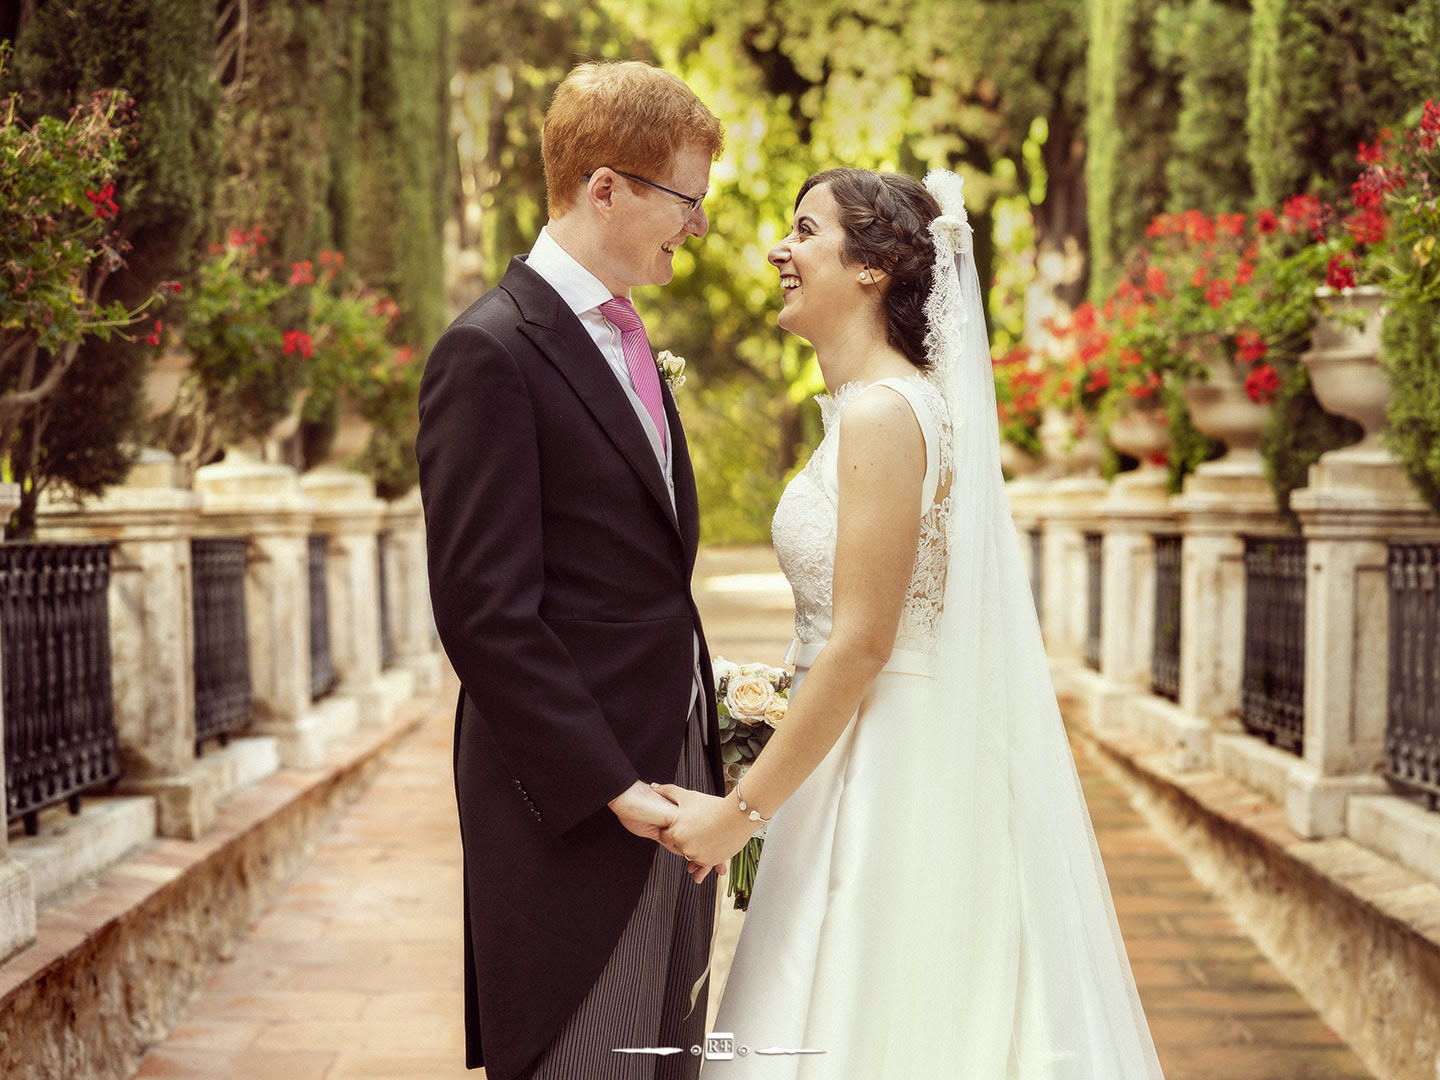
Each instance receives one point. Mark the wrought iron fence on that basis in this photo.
(387, 642)
(1272, 699)
(1094, 579)
(1412, 729)
(322, 670)
(55, 640)
(223, 693)
(1037, 570)
(1165, 654)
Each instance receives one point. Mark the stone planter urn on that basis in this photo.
(267, 447)
(1220, 407)
(1075, 455)
(162, 381)
(1017, 462)
(351, 434)
(1344, 364)
(1144, 434)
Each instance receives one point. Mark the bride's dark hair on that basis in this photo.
(886, 218)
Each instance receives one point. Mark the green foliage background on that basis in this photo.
(1324, 76)
(373, 126)
(160, 51)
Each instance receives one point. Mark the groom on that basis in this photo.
(562, 529)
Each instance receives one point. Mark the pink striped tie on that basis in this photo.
(639, 361)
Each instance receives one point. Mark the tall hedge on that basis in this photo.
(406, 175)
(1134, 100)
(1204, 44)
(1325, 75)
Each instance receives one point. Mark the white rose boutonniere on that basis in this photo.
(672, 368)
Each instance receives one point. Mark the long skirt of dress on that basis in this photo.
(851, 941)
(816, 946)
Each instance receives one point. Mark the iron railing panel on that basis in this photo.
(1272, 698)
(1165, 654)
(1094, 584)
(223, 691)
(1412, 728)
(59, 715)
(322, 669)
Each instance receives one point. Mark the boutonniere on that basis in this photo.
(672, 368)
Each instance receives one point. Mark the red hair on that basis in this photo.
(628, 116)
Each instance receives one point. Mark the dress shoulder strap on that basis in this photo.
(914, 394)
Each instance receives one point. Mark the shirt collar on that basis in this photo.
(578, 287)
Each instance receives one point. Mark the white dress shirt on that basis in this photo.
(583, 294)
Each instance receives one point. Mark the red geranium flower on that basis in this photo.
(1230, 224)
(1244, 273)
(154, 338)
(1367, 225)
(1156, 282)
(1141, 391)
(1266, 221)
(1304, 212)
(1340, 273)
(1217, 292)
(302, 273)
(299, 341)
(1250, 345)
(1262, 384)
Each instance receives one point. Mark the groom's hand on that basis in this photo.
(644, 811)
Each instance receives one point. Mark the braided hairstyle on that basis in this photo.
(886, 218)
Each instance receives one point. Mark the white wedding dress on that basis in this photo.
(895, 922)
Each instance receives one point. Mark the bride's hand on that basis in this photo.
(706, 831)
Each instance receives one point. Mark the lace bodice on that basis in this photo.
(806, 520)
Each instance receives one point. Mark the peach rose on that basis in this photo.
(748, 696)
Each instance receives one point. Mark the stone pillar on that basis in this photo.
(151, 641)
(1222, 502)
(1137, 508)
(1072, 509)
(264, 503)
(1357, 501)
(347, 511)
(411, 619)
(17, 890)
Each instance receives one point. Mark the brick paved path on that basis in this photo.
(354, 972)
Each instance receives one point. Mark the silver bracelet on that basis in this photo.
(754, 815)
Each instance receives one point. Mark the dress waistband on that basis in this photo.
(902, 661)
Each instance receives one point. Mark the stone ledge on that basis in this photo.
(185, 803)
(1397, 828)
(114, 966)
(1356, 933)
(71, 849)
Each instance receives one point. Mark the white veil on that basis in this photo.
(1030, 950)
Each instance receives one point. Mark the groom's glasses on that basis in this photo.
(692, 202)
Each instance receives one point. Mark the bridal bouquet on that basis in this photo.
(750, 701)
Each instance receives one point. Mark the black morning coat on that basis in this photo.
(560, 579)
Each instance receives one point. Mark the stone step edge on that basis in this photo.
(1214, 823)
(114, 968)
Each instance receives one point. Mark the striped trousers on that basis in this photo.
(642, 996)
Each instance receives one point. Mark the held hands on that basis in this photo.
(646, 813)
(708, 829)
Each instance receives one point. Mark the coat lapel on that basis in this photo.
(557, 333)
(683, 473)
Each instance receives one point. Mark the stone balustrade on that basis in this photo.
(1356, 506)
(170, 785)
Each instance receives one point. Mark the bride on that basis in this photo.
(930, 902)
